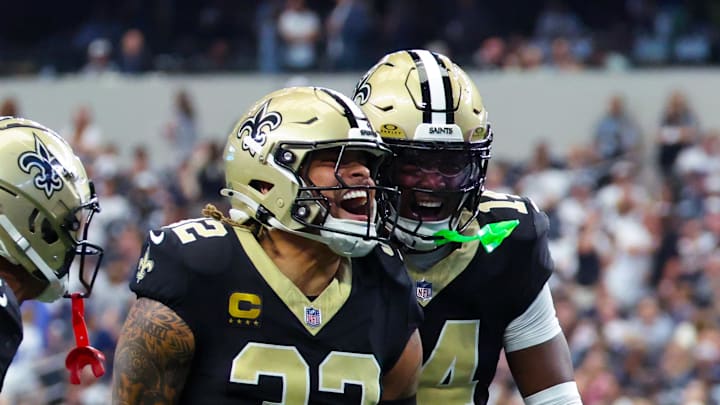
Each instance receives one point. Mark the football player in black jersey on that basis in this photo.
(46, 203)
(479, 259)
(291, 299)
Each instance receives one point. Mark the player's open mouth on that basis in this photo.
(355, 202)
(427, 209)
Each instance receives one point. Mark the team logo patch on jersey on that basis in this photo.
(245, 309)
(423, 290)
(145, 265)
(47, 177)
(313, 317)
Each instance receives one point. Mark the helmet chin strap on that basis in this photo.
(420, 236)
(57, 286)
(341, 244)
(348, 245)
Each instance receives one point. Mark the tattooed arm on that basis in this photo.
(153, 356)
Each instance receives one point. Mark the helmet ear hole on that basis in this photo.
(261, 186)
(48, 233)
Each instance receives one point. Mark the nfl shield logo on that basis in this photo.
(423, 290)
(312, 317)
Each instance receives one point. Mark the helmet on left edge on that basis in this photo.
(46, 205)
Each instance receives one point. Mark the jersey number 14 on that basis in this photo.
(447, 376)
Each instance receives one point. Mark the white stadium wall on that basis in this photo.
(524, 107)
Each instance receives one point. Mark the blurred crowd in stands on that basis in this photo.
(134, 36)
(636, 244)
(636, 241)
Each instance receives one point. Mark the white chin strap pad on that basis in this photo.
(428, 228)
(348, 245)
(343, 245)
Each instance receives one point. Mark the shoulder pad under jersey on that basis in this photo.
(202, 245)
(497, 207)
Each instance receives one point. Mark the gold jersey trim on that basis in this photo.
(328, 302)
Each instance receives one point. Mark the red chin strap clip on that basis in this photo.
(83, 354)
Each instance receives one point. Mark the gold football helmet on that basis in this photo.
(269, 148)
(431, 115)
(46, 204)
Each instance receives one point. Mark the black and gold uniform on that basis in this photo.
(11, 332)
(471, 296)
(258, 339)
(480, 259)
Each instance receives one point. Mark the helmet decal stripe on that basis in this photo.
(445, 70)
(424, 87)
(430, 74)
(352, 112)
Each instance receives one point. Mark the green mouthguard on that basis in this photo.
(490, 235)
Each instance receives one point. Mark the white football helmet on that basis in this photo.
(46, 205)
(431, 115)
(268, 149)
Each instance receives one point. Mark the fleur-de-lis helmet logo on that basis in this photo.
(253, 131)
(362, 90)
(47, 176)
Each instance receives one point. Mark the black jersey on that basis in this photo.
(11, 332)
(258, 339)
(471, 296)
